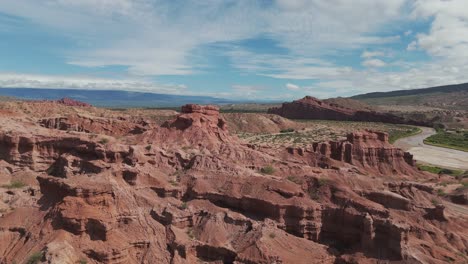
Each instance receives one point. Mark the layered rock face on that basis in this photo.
(189, 192)
(94, 125)
(312, 108)
(367, 150)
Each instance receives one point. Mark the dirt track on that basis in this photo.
(439, 156)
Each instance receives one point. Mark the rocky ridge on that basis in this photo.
(312, 108)
(189, 191)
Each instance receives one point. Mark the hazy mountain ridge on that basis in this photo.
(448, 96)
(110, 98)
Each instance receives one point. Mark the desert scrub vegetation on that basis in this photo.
(439, 170)
(267, 170)
(325, 130)
(288, 130)
(14, 185)
(455, 140)
(35, 258)
(104, 141)
(402, 132)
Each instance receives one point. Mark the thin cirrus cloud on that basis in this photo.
(153, 38)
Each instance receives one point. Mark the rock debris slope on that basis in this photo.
(190, 192)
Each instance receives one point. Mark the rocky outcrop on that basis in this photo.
(368, 150)
(312, 108)
(71, 102)
(80, 123)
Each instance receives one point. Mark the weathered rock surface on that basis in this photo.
(189, 191)
(312, 108)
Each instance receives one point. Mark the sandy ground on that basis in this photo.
(443, 157)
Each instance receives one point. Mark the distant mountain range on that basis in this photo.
(448, 96)
(110, 98)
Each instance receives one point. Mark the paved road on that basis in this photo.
(443, 157)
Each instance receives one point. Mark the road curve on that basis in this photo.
(444, 157)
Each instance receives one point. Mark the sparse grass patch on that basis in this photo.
(35, 258)
(288, 130)
(183, 206)
(407, 131)
(82, 261)
(322, 182)
(435, 202)
(14, 185)
(267, 170)
(272, 235)
(104, 141)
(439, 170)
(441, 192)
(174, 183)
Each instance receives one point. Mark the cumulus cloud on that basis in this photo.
(448, 34)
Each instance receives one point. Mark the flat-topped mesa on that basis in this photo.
(71, 102)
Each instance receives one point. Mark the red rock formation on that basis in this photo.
(312, 108)
(368, 150)
(94, 125)
(72, 102)
(190, 192)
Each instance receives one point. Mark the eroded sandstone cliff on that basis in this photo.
(189, 191)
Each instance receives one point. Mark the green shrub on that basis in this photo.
(148, 148)
(35, 258)
(14, 185)
(267, 170)
(440, 192)
(288, 130)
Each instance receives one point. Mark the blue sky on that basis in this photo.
(281, 49)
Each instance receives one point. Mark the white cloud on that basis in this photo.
(408, 32)
(448, 35)
(14, 80)
(371, 54)
(292, 87)
(374, 63)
